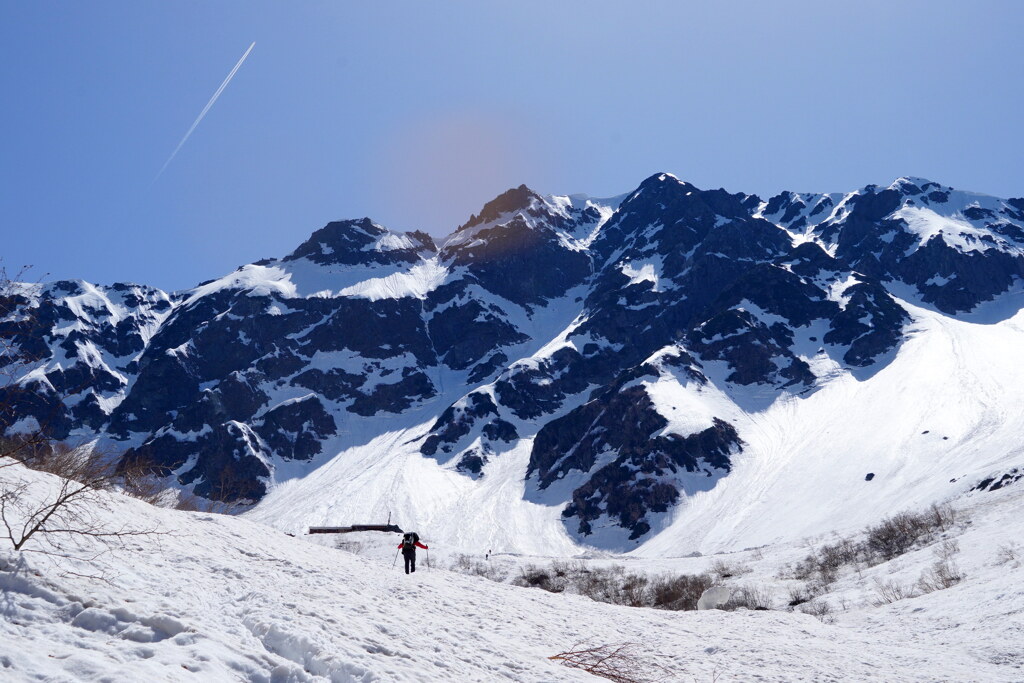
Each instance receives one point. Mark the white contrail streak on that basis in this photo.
(205, 110)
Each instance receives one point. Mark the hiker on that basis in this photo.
(409, 543)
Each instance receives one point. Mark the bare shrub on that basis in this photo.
(562, 569)
(947, 549)
(900, 533)
(145, 481)
(62, 516)
(888, 592)
(844, 551)
(822, 565)
(800, 594)
(895, 535)
(820, 609)
(724, 570)
(610, 584)
(752, 597)
(623, 663)
(942, 517)
(354, 547)
(1008, 553)
(634, 591)
(601, 584)
(466, 564)
(532, 576)
(941, 575)
(889, 539)
(679, 592)
(474, 566)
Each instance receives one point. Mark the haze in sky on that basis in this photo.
(416, 114)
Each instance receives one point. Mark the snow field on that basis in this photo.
(929, 425)
(223, 598)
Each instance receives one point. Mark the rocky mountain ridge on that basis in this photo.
(553, 322)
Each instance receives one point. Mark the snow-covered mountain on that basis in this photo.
(671, 368)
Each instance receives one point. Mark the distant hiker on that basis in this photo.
(410, 542)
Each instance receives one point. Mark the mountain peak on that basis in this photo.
(665, 182)
(515, 199)
(358, 240)
(665, 179)
(913, 185)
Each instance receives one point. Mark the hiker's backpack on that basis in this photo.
(409, 540)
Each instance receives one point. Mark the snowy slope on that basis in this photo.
(944, 408)
(219, 598)
(930, 425)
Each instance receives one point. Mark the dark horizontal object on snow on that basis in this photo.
(355, 527)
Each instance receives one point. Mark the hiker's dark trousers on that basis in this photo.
(410, 562)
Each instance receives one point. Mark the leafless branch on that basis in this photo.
(622, 663)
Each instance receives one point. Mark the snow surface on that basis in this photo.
(219, 598)
(955, 232)
(944, 409)
(647, 270)
(417, 282)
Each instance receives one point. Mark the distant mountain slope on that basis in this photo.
(600, 370)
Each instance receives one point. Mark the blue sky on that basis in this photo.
(417, 113)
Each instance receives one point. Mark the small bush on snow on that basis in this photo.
(354, 547)
(725, 570)
(820, 609)
(800, 594)
(752, 597)
(888, 592)
(679, 592)
(1008, 553)
(941, 575)
(900, 533)
(892, 537)
(616, 586)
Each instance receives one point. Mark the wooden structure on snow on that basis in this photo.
(355, 527)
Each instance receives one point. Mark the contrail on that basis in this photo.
(205, 109)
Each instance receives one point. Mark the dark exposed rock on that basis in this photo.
(520, 262)
(414, 386)
(500, 430)
(360, 241)
(870, 324)
(1000, 480)
(457, 421)
(755, 352)
(471, 463)
(639, 479)
(510, 201)
(529, 392)
(229, 466)
(334, 384)
(463, 334)
(294, 430)
(488, 367)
